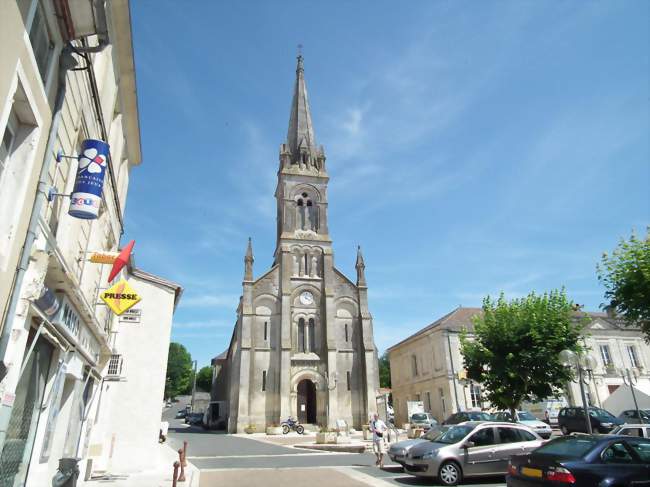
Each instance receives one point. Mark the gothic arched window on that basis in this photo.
(312, 338)
(301, 335)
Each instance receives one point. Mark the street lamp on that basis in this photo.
(583, 364)
(630, 381)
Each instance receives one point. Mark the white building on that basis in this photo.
(52, 364)
(428, 365)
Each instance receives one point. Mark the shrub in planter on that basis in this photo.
(251, 428)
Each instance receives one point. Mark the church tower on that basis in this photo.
(303, 345)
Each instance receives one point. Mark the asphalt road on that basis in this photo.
(241, 460)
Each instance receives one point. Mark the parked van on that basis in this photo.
(553, 406)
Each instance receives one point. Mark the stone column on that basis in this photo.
(285, 332)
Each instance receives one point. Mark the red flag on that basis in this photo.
(121, 260)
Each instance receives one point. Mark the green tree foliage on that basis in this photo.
(204, 379)
(179, 371)
(515, 349)
(384, 370)
(626, 277)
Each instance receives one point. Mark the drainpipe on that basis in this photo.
(66, 62)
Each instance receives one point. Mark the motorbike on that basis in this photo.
(292, 424)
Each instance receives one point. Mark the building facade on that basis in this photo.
(428, 365)
(303, 343)
(68, 75)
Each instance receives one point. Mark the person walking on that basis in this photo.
(378, 428)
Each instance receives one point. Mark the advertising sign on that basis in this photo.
(103, 257)
(120, 297)
(86, 195)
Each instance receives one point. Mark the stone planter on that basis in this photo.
(367, 434)
(415, 433)
(274, 430)
(249, 430)
(325, 438)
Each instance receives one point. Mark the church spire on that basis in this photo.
(301, 130)
(301, 148)
(361, 269)
(248, 262)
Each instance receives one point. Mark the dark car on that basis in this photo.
(181, 413)
(572, 420)
(630, 415)
(583, 461)
(194, 418)
(463, 416)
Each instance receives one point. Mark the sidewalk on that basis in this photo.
(158, 476)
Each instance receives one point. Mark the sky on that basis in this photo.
(473, 147)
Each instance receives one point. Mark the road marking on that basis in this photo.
(364, 478)
(268, 455)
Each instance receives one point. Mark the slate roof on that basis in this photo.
(461, 318)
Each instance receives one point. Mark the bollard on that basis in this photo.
(181, 477)
(175, 477)
(185, 454)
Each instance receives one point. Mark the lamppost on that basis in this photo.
(584, 364)
(630, 381)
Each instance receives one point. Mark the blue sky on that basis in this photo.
(473, 147)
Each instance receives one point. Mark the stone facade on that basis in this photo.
(303, 343)
(428, 366)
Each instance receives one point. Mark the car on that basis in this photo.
(462, 416)
(630, 415)
(573, 420)
(640, 430)
(423, 420)
(470, 449)
(524, 417)
(194, 418)
(397, 451)
(583, 461)
(181, 413)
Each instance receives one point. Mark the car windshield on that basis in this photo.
(452, 434)
(419, 417)
(573, 447)
(526, 416)
(600, 413)
(435, 432)
(477, 416)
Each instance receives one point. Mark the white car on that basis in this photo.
(527, 419)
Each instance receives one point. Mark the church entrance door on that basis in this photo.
(307, 402)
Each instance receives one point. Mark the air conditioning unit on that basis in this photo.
(115, 367)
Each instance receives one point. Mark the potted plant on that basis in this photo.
(367, 435)
(325, 436)
(250, 429)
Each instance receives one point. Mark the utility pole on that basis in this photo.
(193, 389)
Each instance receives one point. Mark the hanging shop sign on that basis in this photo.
(103, 257)
(86, 196)
(132, 315)
(120, 297)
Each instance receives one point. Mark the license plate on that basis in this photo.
(531, 472)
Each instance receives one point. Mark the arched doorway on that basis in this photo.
(306, 401)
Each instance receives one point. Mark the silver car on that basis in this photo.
(469, 449)
(397, 451)
(527, 419)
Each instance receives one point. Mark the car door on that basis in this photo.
(512, 441)
(480, 458)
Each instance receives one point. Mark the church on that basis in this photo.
(303, 342)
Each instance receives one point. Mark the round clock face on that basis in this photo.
(306, 297)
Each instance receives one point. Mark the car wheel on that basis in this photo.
(449, 473)
(564, 430)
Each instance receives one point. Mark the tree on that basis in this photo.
(384, 370)
(626, 277)
(204, 379)
(179, 371)
(515, 349)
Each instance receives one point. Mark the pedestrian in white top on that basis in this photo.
(378, 428)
